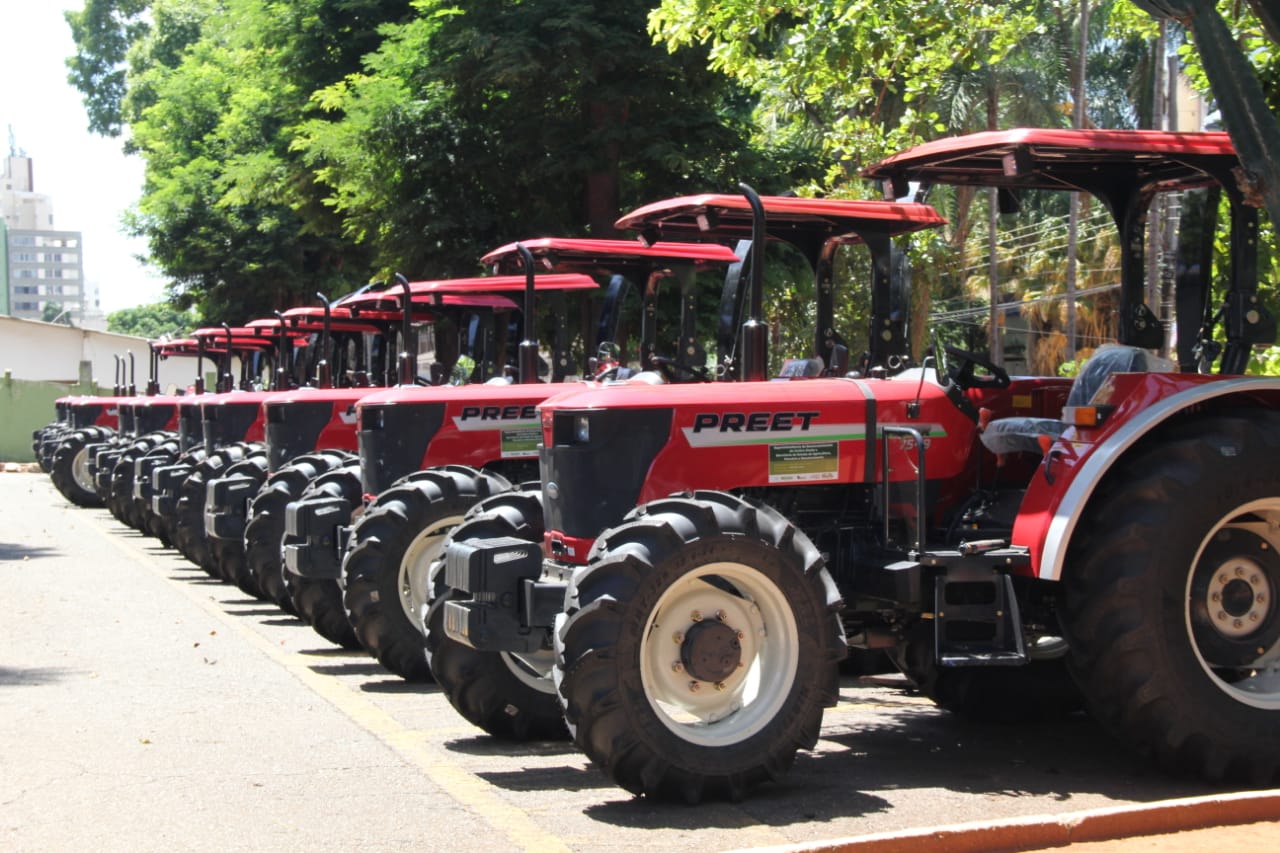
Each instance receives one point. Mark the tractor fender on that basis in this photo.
(1051, 511)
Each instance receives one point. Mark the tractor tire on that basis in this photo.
(103, 458)
(1172, 599)
(1040, 690)
(319, 601)
(698, 647)
(165, 453)
(49, 442)
(189, 525)
(512, 697)
(121, 491)
(70, 467)
(183, 465)
(38, 440)
(229, 554)
(396, 540)
(265, 530)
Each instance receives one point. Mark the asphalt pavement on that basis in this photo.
(144, 706)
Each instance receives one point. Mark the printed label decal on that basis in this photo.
(521, 443)
(800, 462)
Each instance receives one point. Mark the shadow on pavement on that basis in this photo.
(31, 676)
(10, 552)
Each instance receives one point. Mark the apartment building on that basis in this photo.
(39, 264)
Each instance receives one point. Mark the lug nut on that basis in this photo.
(721, 615)
(742, 635)
(677, 667)
(677, 638)
(694, 687)
(720, 686)
(696, 616)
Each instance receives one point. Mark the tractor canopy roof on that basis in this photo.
(311, 318)
(807, 223)
(424, 296)
(609, 257)
(1095, 161)
(242, 338)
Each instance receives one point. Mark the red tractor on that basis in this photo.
(708, 553)
(488, 627)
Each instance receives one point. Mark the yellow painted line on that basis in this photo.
(416, 747)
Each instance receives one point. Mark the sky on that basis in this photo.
(90, 179)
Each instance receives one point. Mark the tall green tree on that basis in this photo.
(214, 92)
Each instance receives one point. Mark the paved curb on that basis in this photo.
(1029, 833)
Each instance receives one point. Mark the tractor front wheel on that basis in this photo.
(511, 696)
(392, 548)
(699, 646)
(70, 467)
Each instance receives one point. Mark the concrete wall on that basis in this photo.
(36, 351)
(27, 406)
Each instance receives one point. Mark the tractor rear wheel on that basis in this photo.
(510, 696)
(392, 547)
(1172, 606)
(699, 647)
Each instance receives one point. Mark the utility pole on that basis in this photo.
(1073, 221)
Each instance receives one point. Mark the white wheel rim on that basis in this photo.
(721, 713)
(1257, 681)
(80, 470)
(413, 581)
(532, 670)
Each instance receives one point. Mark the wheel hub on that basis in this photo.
(711, 651)
(1238, 598)
(1234, 624)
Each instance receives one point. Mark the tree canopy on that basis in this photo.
(154, 321)
(296, 147)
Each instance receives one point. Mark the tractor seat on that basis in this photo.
(1022, 434)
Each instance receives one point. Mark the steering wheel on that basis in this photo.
(962, 371)
(676, 371)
